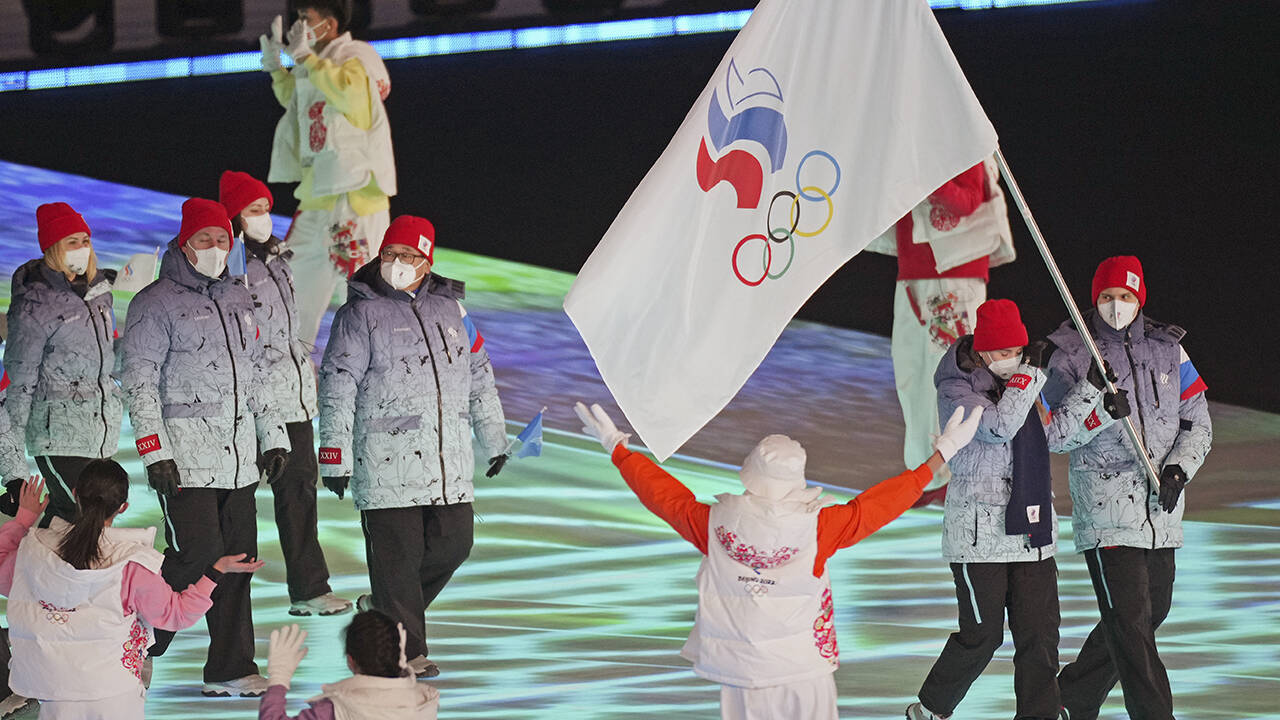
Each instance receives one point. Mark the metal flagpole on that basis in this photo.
(1072, 310)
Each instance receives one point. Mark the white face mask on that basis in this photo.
(210, 261)
(399, 275)
(257, 227)
(1118, 313)
(1003, 369)
(313, 34)
(77, 261)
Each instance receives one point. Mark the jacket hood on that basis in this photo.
(68, 587)
(387, 698)
(35, 272)
(958, 363)
(367, 282)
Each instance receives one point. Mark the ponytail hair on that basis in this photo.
(103, 486)
(373, 642)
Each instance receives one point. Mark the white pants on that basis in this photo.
(321, 241)
(125, 706)
(928, 316)
(813, 699)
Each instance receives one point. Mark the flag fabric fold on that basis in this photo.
(528, 443)
(824, 123)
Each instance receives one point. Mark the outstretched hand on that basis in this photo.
(597, 423)
(958, 432)
(284, 653)
(237, 564)
(33, 497)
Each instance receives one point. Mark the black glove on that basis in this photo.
(1172, 480)
(271, 464)
(1116, 404)
(9, 500)
(495, 465)
(337, 485)
(1037, 353)
(163, 477)
(1095, 375)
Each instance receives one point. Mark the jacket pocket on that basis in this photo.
(393, 423)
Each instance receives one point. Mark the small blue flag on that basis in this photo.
(237, 263)
(531, 437)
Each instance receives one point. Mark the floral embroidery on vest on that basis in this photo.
(824, 630)
(942, 219)
(318, 131)
(134, 648)
(748, 554)
(55, 614)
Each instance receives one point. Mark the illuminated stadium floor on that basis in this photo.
(576, 601)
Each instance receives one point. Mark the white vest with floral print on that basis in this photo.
(763, 618)
(68, 623)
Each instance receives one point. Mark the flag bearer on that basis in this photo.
(1126, 525)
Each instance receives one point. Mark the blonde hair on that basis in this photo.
(56, 257)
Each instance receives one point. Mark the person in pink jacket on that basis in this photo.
(85, 596)
(382, 685)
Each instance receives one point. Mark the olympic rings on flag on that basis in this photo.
(768, 259)
(831, 211)
(802, 187)
(795, 222)
(790, 257)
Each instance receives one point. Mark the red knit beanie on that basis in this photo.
(999, 326)
(1120, 271)
(418, 233)
(198, 214)
(55, 221)
(238, 190)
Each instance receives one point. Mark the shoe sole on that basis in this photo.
(429, 673)
(31, 703)
(224, 693)
(308, 613)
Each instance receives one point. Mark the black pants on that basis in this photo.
(296, 519)
(1029, 591)
(201, 525)
(412, 552)
(60, 476)
(1134, 589)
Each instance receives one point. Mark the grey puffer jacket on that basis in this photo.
(1114, 501)
(291, 376)
(13, 466)
(194, 375)
(404, 380)
(60, 355)
(982, 471)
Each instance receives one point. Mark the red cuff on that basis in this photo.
(620, 453)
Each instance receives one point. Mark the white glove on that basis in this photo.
(298, 39)
(597, 424)
(958, 432)
(284, 654)
(277, 31)
(270, 54)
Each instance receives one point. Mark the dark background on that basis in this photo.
(1144, 128)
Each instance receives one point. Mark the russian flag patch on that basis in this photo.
(1190, 380)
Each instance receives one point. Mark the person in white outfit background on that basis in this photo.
(765, 625)
(85, 596)
(334, 140)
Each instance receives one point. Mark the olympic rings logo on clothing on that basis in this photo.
(55, 614)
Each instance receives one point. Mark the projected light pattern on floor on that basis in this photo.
(576, 600)
(429, 45)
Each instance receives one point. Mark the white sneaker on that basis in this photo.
(326, 604)
(15, 703)
(916, 711)
(424, 668)
(247, 686)
(364, 603)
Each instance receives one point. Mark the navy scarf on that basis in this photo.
(1032, 493)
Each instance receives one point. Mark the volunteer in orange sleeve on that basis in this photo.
(764, 628)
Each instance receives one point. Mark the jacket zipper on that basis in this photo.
(1155, 389)
(444, 343)
(102, 390)
(288, 319)
(235, 390)
(1137, 401)
(435, 372)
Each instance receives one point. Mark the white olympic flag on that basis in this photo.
(826, 122)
